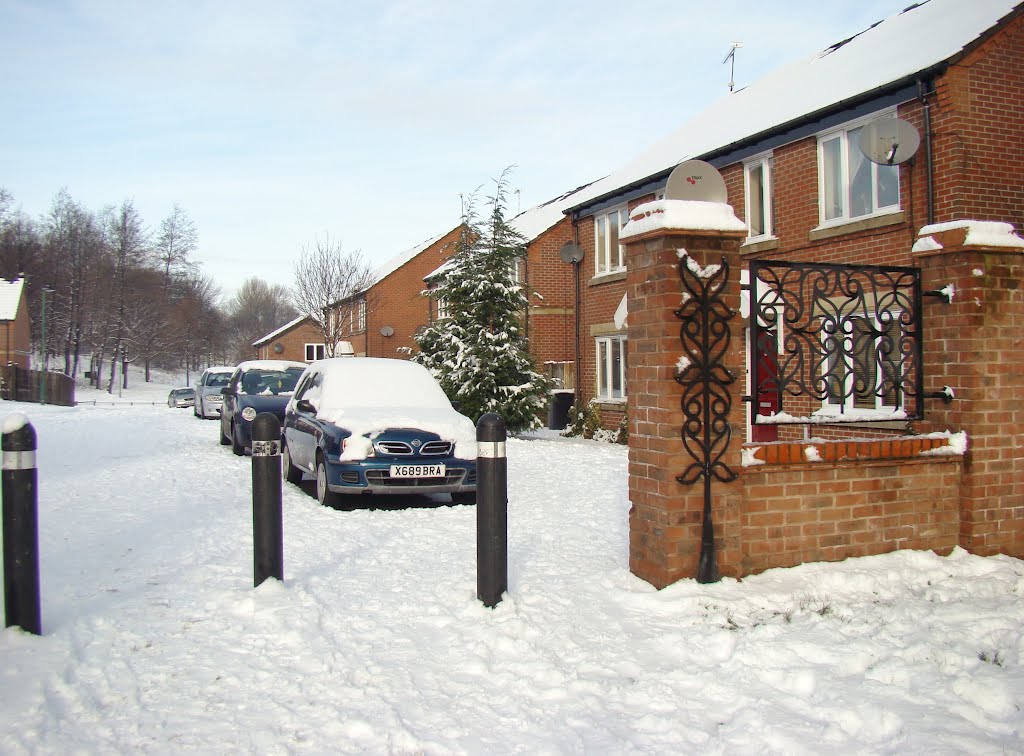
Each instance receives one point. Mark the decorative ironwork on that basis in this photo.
(844, 341)
(706, 400)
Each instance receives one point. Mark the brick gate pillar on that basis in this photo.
(975, 345)
(666, 517)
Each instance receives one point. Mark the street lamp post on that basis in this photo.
(42, 373)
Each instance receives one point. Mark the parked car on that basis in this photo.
(182, 397)
(208, 396)
(255, 386)
(363, 425)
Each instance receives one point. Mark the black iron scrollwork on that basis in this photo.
(849, 338)
(706, 400)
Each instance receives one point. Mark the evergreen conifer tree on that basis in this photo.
(478, 351)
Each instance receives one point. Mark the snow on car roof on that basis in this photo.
(220, 369)
(368, 395)
(377, 382)
(269, 365)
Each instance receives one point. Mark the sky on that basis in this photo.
(275, 124)
(155, 641)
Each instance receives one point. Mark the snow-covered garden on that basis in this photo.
(155, 641)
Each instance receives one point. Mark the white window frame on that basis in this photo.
(357, 316)
(846, 143)
(765, 163)
(605, 367)
(317, 351)
(609, 256)
(848, 406)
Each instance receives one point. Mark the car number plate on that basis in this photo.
(417, 471)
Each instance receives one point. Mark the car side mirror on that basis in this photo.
(303, 405)
(226, 391)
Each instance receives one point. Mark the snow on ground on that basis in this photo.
(155, 641)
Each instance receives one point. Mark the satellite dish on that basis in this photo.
(696, 180)
(570, 253)
(889, 141)
(387, 331)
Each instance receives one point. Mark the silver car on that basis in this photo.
(208, 397)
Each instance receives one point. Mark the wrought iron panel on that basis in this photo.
(849, 341)
(706, 400)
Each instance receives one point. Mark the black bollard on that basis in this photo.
(21, 525)
(267, 531)
(491, 510)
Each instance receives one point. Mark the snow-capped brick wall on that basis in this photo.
(956, 481)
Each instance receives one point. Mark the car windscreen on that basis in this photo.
(218, 379)
(269, 381)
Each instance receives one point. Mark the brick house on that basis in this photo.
(787, 148)
(300, 340)
(15, 337)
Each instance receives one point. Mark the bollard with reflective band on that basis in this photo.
(21, 525)
(267, 530)
(491, 510)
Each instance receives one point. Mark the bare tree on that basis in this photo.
(256, 309)
(128, 242)
(326, 275)
(176, 240)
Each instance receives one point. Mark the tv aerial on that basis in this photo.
(696, 180)
(730, 57)
(889, 141)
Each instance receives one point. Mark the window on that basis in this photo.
(357, 316)
(758, 191)
(863, 362)
(442, 308)
(849, 185)
(609, 256)
(611, 367)
(314, 352)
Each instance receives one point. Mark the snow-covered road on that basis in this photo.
(155, 641)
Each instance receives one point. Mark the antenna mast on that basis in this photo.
(730, 58)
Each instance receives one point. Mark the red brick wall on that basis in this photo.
(823, 512)
(551, 293)
(397, 301)
(293, 342)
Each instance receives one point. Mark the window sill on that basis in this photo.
(759, 245)
(603, 278)
(854, 226)
(610, 404)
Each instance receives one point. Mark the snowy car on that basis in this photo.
(255, 386)
(182, 397)
(366, 425)
(208, 399)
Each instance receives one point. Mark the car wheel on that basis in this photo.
(224, 440)
(291, 473)
(236, 442)
(324, 495)
(464, 497)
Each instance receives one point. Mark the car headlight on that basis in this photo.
(249, 414)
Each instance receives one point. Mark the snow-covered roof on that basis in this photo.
(923, 35)
(10, 297)
(283, 329)
(402, 258)
(535, 221)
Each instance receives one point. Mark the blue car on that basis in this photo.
(255, 386)
(362, 425)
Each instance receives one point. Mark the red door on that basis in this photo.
(765, 385)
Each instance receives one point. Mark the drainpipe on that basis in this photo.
(928, 158)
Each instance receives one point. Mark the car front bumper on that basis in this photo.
(372, 477)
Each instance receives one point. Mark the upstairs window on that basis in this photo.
(758, 192)
(849, 185)
(357, 316)
(609, 255)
